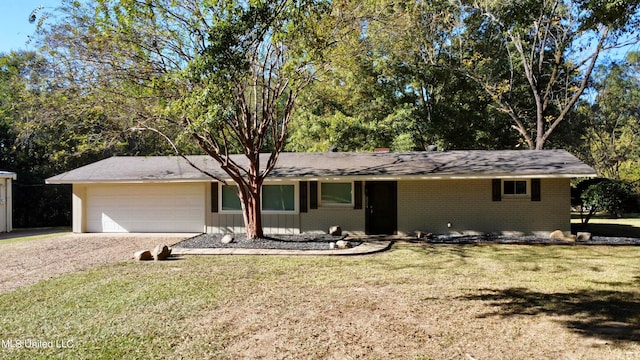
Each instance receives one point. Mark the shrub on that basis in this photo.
(606, 195)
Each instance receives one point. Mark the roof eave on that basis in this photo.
(54, 181)
(433, 177)
(8, 175)
(124, 181)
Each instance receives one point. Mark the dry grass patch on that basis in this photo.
(415, 302)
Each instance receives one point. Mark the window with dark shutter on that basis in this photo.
(535, 190)
(357, 194)
(303, 197)
(496, 189)
(313, 195)
(214, 197)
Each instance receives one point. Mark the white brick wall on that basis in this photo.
(428, 205)
(467, 204)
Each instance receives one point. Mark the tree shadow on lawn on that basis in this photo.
(608, 315)
(607, 229)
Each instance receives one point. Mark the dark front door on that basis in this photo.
(381, 207)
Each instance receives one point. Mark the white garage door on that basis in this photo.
(146, 208)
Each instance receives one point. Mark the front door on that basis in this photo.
(381, 207)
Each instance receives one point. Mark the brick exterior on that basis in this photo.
(430, 205)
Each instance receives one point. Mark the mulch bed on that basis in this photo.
(323, 241)
(283, 242)
(527, 240)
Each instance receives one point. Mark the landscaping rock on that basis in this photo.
(583, 236)
(227, 239)
(161, 252)
(335, 230)
(424, 235)
(559, 235)
(342, 244)
(143, 255)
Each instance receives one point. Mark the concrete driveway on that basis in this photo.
(28, 262)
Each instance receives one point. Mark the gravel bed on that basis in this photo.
(282, 242)
(500, 239)
(322, 241)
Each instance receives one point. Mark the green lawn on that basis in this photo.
(604, 225)
(416, 301)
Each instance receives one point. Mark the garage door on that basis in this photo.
(146, 208)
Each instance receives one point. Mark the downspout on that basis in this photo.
(9, 204)
(4, 202)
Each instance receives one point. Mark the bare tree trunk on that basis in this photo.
(251, 211)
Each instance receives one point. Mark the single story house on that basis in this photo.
(6, 203)
(364, 193)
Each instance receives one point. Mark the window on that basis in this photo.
(278, 197)
(281, 197)
(336, 194)
(514, 188)
(230, 199)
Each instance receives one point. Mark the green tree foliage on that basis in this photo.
(535, 58)
(218, 77)
(24, 147)
(481, 74)
(223, 77)
(392, 84)
(607, 195)
(613, 132)
(243, 87)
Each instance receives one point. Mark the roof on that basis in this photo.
(7, 174)
(330, 165)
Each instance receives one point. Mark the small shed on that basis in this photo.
(6, 206)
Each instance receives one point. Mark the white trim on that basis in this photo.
(8, 175)
(343, 178)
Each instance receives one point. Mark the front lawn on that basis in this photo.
(414, 302)
(604, 225)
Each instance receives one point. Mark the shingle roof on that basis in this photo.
(406, 165)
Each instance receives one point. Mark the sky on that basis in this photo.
(14, 22)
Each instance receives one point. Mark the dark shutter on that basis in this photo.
(496, 189)
(214, 197)
(535, 190)
(303, 197)
(313, 194)
(357, 194)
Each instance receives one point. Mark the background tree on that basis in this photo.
(218, 74)
(613, 131)
(391, 85)
(48, 127)
(606, 195)
(546, 53)
(32, 151)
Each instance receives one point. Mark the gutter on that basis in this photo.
(334, 178)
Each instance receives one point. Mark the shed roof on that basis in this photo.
(331, 165)
(8, 174)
